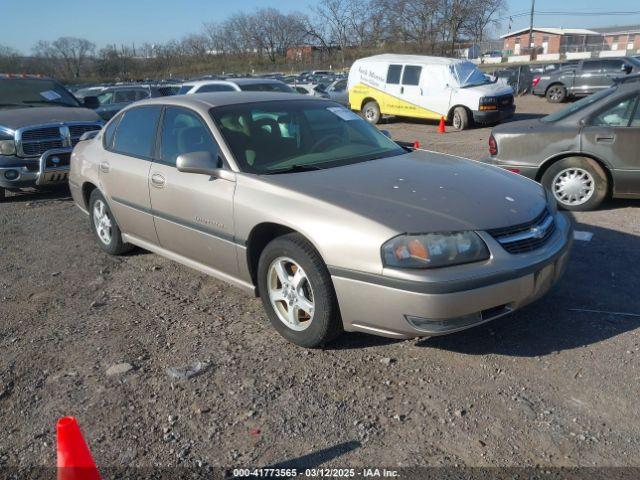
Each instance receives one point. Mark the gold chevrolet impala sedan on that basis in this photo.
(335, 226)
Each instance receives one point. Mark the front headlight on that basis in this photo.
(433, 250)
(7, 147)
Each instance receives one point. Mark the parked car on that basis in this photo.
(582, 153)
(337, 92)
(89, 91)
(335, 226)
(114, 99)
(234, 85)
(583, 78)
(427, 87)
(519, 77)
(40, 122)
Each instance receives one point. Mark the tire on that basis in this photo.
(556, 93)
(113, 245)
(460, 119)
(3, 195)
(293, 252)
(570, 178)
(371, 112)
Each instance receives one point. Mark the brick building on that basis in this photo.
(551, 40)
(620, 38)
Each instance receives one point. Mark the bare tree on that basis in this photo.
(482, 15)
(70, 51)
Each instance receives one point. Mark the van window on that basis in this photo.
(411, 75)
(393, 74)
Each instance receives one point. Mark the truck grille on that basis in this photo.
(34, 141)
(526, 237)
(505, 101)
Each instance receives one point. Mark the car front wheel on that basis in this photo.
(297, 292)
(104, 226)
(578, 184)
(460, 119)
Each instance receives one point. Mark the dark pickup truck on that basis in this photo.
(40, 123)
(583, 78)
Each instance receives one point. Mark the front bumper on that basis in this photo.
(405, 309)
(493, 116)
(52, 168)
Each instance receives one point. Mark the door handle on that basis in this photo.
(104, 167)
(401, 89)
(605, 138)
(158, 180)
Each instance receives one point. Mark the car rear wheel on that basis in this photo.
(578, 184)
(371, 112)
(556, 93)
(104, 226)
(297, 292)
(460, 119)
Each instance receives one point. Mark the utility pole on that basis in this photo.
(533, 6)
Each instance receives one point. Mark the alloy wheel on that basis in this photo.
(102, 222)
(573, 186)
(290, 293)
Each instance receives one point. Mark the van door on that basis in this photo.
(436, 90)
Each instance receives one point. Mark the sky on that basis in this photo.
(157, 21)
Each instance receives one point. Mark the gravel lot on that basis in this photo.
(85, 334)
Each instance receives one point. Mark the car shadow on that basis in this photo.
(53, 193)
(314, 459)
(590, 304)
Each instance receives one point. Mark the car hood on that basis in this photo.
(15, 118)
(490, 89)
(423, 192)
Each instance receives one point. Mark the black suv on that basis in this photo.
(583, 78)
(40, 122)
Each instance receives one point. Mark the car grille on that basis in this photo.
(37, 140)
(526, 237)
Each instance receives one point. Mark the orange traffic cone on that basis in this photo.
(441, 127)
(74, 458)
(416, 144)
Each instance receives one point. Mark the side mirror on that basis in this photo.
(386, 133)
(91, 102)
(626, 68)
(205, 163)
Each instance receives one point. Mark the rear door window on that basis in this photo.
(136, 132)
(393, 74)
(611, 66)
(411, 75)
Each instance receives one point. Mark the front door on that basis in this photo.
(193, 213)
(124, 171)
(612, 135)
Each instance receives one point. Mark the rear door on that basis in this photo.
(193, 213)
(124, 171)
(613, 135)
(588, 77)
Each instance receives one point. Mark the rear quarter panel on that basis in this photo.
(85, 159)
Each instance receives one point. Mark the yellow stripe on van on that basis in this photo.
(389, 105)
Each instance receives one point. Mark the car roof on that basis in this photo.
(237, 81)
(218, 99)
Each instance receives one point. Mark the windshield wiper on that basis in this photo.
(294, 169)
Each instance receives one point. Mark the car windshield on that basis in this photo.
(33, 92)
(298, 135)
(577, 106)
(266, 87)
(468, 75)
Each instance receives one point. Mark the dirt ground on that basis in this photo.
(93, 336)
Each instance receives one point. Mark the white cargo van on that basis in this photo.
(427, 87)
